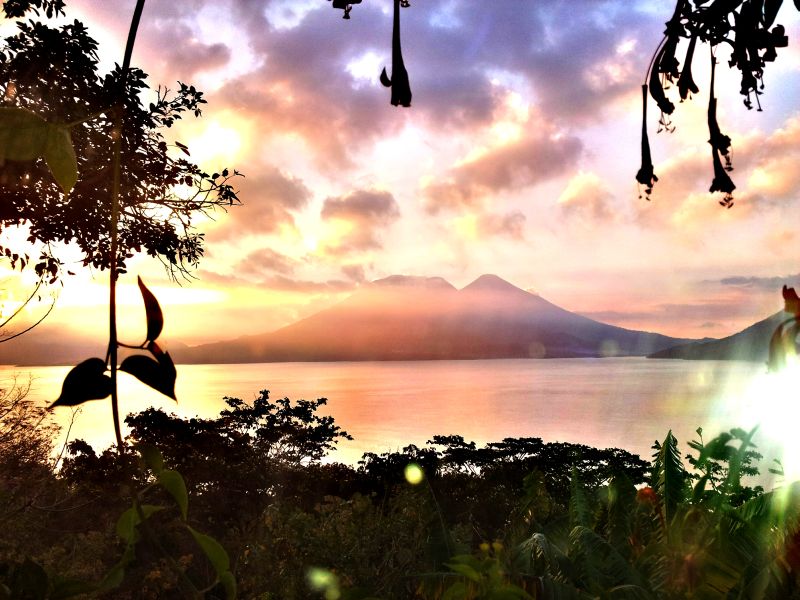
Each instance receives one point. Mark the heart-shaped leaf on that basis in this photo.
(173, 482)
(86, 381)
(23, 134)
(155, 319)
(159, 375)
(60, 156)
(213, 550)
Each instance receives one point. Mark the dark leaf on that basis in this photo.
(159, 375)
(152, 457)
(771, 8)
(155, 319)
(86, 381)
(385, 78)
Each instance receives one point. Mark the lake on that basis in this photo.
(610, 402)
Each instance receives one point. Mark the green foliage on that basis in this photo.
(669, 476)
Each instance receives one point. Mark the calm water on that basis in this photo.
(620, 402)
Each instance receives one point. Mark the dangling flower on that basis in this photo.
(645, 176)
(657, 89)
(720, 145)
(686, 82)
(401, 88)
(717, 139)
(722, 181)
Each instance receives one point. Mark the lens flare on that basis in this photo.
(772, 402)
(414, 474)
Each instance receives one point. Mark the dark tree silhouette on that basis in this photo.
(749, 28)
(53, 72)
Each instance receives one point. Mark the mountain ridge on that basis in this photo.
(750, 344)
(426, 318)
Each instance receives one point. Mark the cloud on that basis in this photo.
(185, 49)
(513, 166)
(269, 197)
(509, 225)
(354, 273)
(279, 283)
(765, 283)
(266, 260)
(588, 197)
(357, 219)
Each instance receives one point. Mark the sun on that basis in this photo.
(217, 145)
(771, 402)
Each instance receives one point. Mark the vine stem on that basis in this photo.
(116, 136)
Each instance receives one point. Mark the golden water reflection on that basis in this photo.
(610, 402)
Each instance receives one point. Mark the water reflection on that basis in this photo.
(612, 402)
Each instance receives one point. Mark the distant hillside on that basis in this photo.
(751, 344)
(417, 318)
(48, 346)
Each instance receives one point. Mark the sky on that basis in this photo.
(517, 157)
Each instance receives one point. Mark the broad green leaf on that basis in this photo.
(129, 520)
(159, 375)
(228, 582)
(60, 156)
(173, 482)
(213, 550)
(152, 457)
(155, 319)
(23, 134)
(86, 381)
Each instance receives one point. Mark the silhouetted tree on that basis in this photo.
(53, 73)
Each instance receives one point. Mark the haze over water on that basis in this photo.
(613, 402)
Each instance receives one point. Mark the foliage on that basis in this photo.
(57, 173)
(749, 28)
(677, 542)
